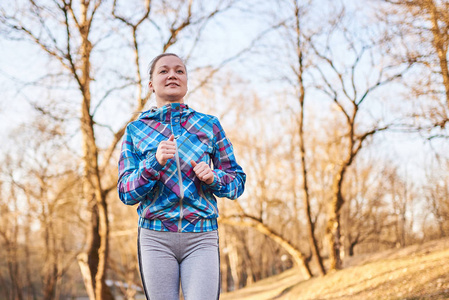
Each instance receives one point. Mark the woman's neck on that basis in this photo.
(160, 103)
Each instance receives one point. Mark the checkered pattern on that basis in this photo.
(157, 188)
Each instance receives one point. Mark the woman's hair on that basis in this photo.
(156, 59)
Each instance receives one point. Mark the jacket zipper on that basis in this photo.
(181, 188)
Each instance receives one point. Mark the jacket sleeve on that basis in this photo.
(137, 175)
(229, 178)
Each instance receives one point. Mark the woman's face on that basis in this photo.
(169, 81)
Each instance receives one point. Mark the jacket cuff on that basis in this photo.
(216, 181)
(152, 167)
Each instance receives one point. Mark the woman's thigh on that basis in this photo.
(200, 266)
(159, 266)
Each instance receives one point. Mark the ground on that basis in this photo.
(415, 272)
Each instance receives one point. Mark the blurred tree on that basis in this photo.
(402, 196)
(421, 28)
(43, 201)
(12, 284)
(297, 39)
(363, 189)
(436, 193)
(379, 206)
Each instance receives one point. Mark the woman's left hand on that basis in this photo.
(203, 172)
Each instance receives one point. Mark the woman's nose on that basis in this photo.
(172, 74)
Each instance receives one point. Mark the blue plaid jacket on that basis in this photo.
(171, 197)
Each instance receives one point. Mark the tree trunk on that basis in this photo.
(98, 252)
(333, 228)
(305, 187)
(98, 246)
(86, 274)
(441, 46)
(306, 198)
(234, 264)
(351, 249)
(13, 269)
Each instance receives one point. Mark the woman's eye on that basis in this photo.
(180, 71)
(163, 71)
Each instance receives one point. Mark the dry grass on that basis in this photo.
(415, 272)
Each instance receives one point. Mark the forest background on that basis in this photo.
(337, 110)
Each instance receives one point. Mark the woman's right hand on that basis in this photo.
(166, 150)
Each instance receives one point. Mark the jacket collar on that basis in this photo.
(166, 112)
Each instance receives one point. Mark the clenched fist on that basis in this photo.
(166, 150)
(203, 172)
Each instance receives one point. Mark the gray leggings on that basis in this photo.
(167, 257)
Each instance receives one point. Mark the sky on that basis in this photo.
(224, 37)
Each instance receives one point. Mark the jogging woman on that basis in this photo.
(174, 161)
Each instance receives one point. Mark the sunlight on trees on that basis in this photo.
(311, 102)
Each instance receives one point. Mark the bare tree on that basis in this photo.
(41, 192)
(402, 195)
(267, 209)
(298, 68)
(339, 80)
(379, 200)
(364, 191)
(436, 193)
(426, 23)
(13, 284)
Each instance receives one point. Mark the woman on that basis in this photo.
(165, 167)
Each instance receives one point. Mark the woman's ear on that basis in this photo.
(150, 87)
